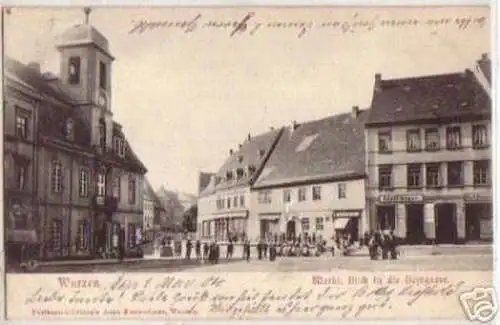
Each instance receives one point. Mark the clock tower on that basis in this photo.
(85, 69)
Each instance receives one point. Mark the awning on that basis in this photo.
(22, 236)
(340, 223)
(269, 216)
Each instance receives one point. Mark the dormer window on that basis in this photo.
(102, 133)
(119, 146)
(261, 153)
(239, 173)
(229, 176)
(102, 75)
(240, 159)
(69, 129)
(74, 70)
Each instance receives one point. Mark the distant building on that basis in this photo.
(175, 204)
(428, 144)
(224, 204)
(314, 181)
(153, 210)
(72, 178)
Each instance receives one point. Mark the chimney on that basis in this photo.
(35, 66)
(294, 125)
(378, 80)
(355, 111)
(249, 137)
(230, 152)
(468, 73)
(240, 146)
(484, 57)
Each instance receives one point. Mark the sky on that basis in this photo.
(186, 96)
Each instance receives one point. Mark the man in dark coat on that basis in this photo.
(230, 247)
(205, 251)
(392, 246)
(265, 246)
(217, 252)
(259, 249)
(198, 249)
(246, 250)
(189, 247)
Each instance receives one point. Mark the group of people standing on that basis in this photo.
(381, 243)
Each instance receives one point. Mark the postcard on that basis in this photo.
(238, 163)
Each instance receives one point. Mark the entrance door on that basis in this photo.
(264, 228)
(446, 226)
(290, 230)
(386, 217)
(415, 223)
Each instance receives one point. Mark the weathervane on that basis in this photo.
(87, 11)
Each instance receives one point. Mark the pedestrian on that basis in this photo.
(230, 247)
(217, 252)
(272, 251)
(198, 249)
(246, 250)
(211, 253)
(259, 249)
(385, 246)
(393, 246)
(205, 251)
(265, 247)
(189, 247)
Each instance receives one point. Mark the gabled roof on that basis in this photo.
(427, 98)
(327, 149)
(253, 152)
(485, 65)
(150, 194)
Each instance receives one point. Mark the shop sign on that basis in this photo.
(346, 214)
(400, 198)
(476, 197)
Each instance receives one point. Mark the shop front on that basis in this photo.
(227, 226)
(478, 217)
(347, 222)
(270, 225)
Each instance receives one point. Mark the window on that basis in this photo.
(302, 194)
(413, 140)
(242, 200)
(102, 75)
(385, 177)
(455, 173)
(287, 195)
(229, 175)
(117, 188)
(101, 184)
(414, 179)
(431, 139)
(21, 173)
(69, 129)
(84, 233)
(20, 218)
(320, 225)
(229, 203)
(119, 146)
(74, 70)
(479, 136)
(384, 142)
(102, 133)
(316, 193)
(235, 202)
(305, 224)
(21, 126)
(84, 182)
(56, 236)
(481, 172)
(264, 197)
(132, 189)
(341, 191)
(131, 235)
(432, 175)
(56, 177)
(453, 137)
(239, 173)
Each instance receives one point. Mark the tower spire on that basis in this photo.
(87, 11)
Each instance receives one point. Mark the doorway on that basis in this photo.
(415, 233)
(386, 217)
(290, 230)
(446, 225)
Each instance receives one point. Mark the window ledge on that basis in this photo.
(386, 188)
(432, 149)
(415, 188)
(454, 148)
(480, 147)
(455, 185)
(385, 152)
(436, 187)
(413, 150)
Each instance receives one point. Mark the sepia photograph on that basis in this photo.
(247, 140)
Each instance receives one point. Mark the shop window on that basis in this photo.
(385, 177)
(455, 173)
(413, 140)
(433, 175)
(316, 193)
(414, 178)
(431, 139)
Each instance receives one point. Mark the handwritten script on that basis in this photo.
(202, 296)
(250, 24)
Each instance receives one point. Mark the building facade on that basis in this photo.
(86, 183)
(428, 158)
(152, 212)
(314, 182)
(224, 209)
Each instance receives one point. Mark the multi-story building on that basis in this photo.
(80, 182)
(152, 211)
(314, 181)
(224, 205)
(428, 158)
